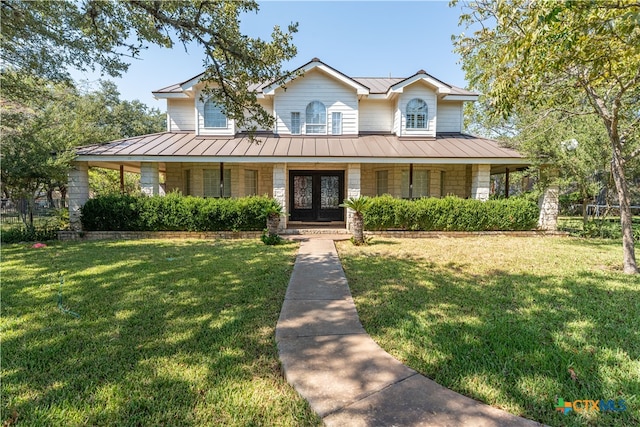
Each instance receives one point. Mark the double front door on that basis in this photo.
(316, 195)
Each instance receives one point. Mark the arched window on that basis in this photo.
(213, 115)
(416, 114)
(316, 118)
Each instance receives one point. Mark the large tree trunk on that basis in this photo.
(628, 251)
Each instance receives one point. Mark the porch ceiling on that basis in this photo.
(188, 147)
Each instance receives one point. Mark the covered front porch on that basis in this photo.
(310, 193)
(308, 176)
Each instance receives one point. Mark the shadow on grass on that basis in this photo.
(170, 333)
(507, 339)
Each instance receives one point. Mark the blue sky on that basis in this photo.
(360, 38)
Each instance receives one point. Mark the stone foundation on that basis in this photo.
(132, 235)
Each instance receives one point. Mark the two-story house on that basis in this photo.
(333, 137)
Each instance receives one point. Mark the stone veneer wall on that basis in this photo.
(175, 177)
(456, 179)
(129, 235)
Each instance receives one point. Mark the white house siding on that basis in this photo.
(428, 95)
(267, 104)
(200, 129)
(375, 115)
(316, 86)
(449, 116)
(180, 114)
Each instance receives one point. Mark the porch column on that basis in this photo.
(353, 187)
(78, 192)
(280, 190)
(480, 181)
(149, 179)
(549, 202)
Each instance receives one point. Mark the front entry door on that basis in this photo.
(315, 195)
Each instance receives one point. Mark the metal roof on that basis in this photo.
(188, 147)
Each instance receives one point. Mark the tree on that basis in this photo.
(579, 58)
(39, 135)
(358, 205)
(44, 38)
(32, 152)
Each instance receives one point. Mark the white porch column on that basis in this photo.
(78, 192)
(480, 181)
(280, 190)
(549, 202)
(353, 188)
(149, 179)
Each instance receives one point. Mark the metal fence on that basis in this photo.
(10, 212)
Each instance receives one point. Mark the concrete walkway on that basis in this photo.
(346, 377)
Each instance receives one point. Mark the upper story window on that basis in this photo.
(316, 118)
(295, 123)
(213, 115)
(336, 123)
(416, 114)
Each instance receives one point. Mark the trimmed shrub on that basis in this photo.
(450, 214)
(174, 212)
(29, 234)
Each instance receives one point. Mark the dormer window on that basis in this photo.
(416, 114)
(316, 118)
(213, 115)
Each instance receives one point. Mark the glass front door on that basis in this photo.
(316, 195)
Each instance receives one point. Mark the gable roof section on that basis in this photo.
(362, 85)
(315, 63)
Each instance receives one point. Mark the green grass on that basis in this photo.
(507, 320)
(170, 333)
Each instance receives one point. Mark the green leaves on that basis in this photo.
(45, 38)
(573, 58)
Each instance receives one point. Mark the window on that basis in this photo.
(187, 182)
(211, 183)
(250, 182)
(382, 182)
(316, 118)
(336, 123)
(213, 115)
(416, 114)
(420, 184)
(295, 123)
(441, 183)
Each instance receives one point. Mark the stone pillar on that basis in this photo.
(480, 182)
(78, 192)
(149, 179)
(280, 190)
(353, 188)
(549, 201)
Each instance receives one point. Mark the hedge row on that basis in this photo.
(450, 214)
(174, 212)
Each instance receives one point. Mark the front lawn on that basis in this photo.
(514, 322)
(169, 333)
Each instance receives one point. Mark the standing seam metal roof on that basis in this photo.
(446, 145)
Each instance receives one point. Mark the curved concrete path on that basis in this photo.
(346, 377)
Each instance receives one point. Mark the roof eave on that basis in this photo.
(454, 97)
(172, 95)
